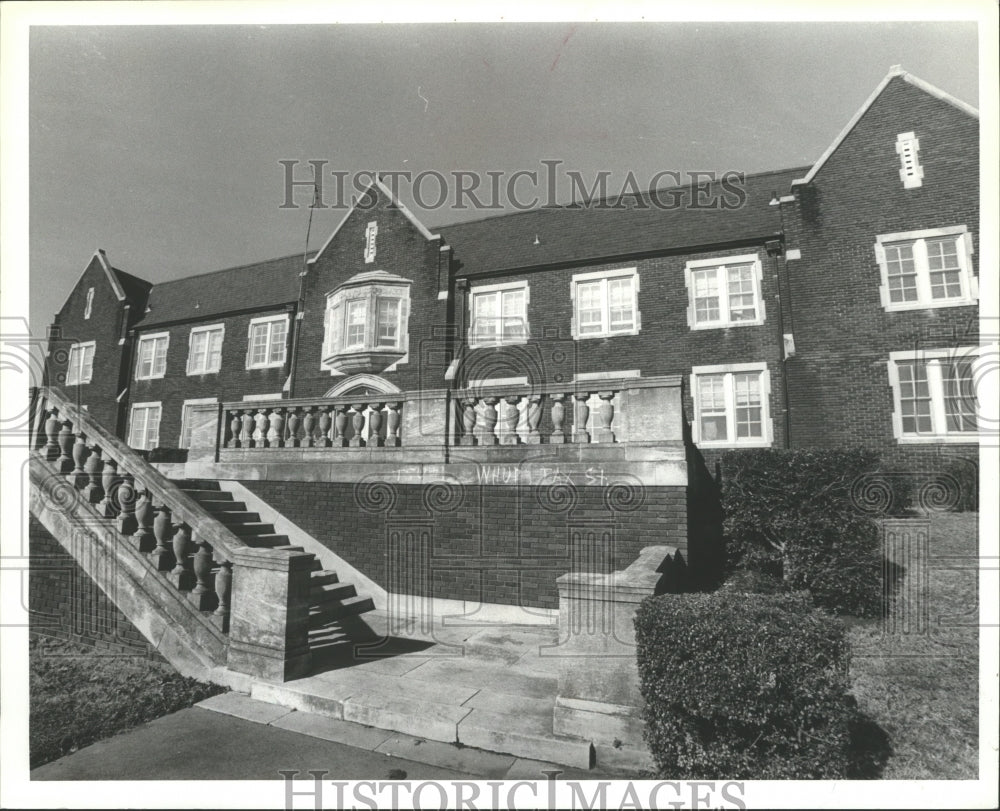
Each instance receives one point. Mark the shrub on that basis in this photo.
(744, 686)
(796, 514)
(964, 476)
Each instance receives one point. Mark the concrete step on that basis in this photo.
(350, 607)
(208, 495)
(525, 731)
(322, 577)
(220, 505)
(252, 528)
(320, 594)
(237, 517)
(265, 541)
(198, 484)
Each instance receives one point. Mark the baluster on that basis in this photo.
(247, 429)
(309, 426)
(223, 590)
(392, 425)
(510, 418)
(292, 423)
(534, 418)
(182, 575)
(235, 423)
(325, 440)
(66, 440)
(79, 476)
(558, 415)
(127, 524)
(357, 423)
(110, 483)
(488, 436)
(606, 413)
(52, 426)
(340, 426)
(468, 421)
(276, 425)
(163, 555)
(582, 415)
(375, 425)
(93, 467)
(144, 537)
(261, 428)
(203, 595)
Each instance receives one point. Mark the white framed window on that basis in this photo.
(80, 368)
(152, 356)
(89, 305)
(205, 349)
(368, 315)
(198, 417)
(606, 303)
(925, 269)
(910, 170)
(144, 426)
(934, 394)
(499, 314)
(732, 406)
(266, 341)
(724, 292)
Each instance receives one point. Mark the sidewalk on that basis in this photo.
(217, 740)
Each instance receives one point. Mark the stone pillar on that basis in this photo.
(558, 416)
(269, 617)
(599, 698)
(605, 415)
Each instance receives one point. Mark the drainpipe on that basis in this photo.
(776, 249)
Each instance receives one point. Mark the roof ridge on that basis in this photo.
(572, 206)
(225, 270)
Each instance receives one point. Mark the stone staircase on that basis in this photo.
(331, 602)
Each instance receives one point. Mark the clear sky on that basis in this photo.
(161, 144)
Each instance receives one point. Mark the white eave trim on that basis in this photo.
(937, 92)
(392, 199)
(112, 279)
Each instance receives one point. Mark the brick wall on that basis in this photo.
(490, 543)
(64, 603)
(839, 385)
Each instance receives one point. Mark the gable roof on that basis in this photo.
(135, 289)
(246, 287)
(894, 72)
(393, 201)
(568, 235)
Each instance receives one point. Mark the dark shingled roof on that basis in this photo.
(271, 283)
(135, 289)
(567, 235)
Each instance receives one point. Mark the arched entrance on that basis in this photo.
(362, 384)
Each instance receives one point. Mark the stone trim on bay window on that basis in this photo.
(724, 292)
(732, 406)
(266, 339)
(605, 303)
(366, 324)
(151, 360)
(934, 395)
(80, 367)
(925, 269)
(205, 349)
(498, 314)
(144, 426)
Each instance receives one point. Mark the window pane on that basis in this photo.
(741, 293)
(902, 274)
(153, 427)
(199, 343)
(945, 272)
(159, 356)
(620, 311)
(73, 366)
(746, 395)
(138, 431)
(960, 403)
(276, 353)
(588, 307)
(87, 362)
(914, 398)
(355, 323)
(145, 358)
(712, 405)
(215, 351)
(706, 295)
(258, 344)
(388, 321)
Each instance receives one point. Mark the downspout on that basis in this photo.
(299, 302)
(776, 249)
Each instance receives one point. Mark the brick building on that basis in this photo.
(828, 305)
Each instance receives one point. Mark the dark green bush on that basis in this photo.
(796, 514)
(744, 686)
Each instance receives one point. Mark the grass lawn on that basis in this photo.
(922, 687)
(78, 696)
